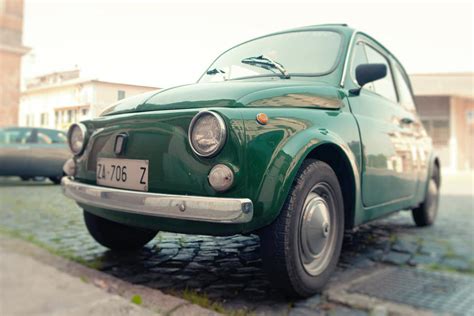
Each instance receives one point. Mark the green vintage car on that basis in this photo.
(296, 136)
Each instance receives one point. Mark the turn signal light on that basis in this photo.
(262, 118)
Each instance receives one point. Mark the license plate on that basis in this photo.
(123, 173)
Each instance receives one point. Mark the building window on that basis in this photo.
(438, 129)
(120, 94)
(69, 116)
(44, 119)
(30, 120)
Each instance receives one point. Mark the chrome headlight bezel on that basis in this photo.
(222, 138)
(83, 131)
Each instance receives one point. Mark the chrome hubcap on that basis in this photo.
(316, 234)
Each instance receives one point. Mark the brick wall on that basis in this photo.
(11, 50)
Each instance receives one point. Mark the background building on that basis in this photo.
(58, 99)
(11, 51)
(445, 103)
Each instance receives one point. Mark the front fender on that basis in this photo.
(290, 147)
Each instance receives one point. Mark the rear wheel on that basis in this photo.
(55, 180)
(301, 248)
(117, 236)
(425, 214)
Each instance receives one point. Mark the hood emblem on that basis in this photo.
(120, 143)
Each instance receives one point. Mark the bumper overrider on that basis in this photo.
(195, 208)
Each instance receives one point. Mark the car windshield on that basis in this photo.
(303, 53)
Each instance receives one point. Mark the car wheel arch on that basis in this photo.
(337, 159)
(343, 162)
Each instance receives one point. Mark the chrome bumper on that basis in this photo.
(196, 208)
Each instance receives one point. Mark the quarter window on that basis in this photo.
(383, 86)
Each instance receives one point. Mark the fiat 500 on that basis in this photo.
(296, 136)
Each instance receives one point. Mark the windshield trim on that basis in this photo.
(309, 74)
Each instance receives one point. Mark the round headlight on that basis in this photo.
(76, 137)
(207, 133)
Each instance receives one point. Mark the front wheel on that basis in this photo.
(301, 248)
(117, 236)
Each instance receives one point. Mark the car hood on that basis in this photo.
(233, 94)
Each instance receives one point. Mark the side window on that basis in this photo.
(51, 137)
(404, 92)
(15, 136)
(43, 138)
(359, 57)
(385, 85)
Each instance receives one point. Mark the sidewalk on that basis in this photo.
(36, 282)
(29, 287)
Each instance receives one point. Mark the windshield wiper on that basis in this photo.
(266, 63)
(215, 71)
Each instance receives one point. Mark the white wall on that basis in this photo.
(93, 95)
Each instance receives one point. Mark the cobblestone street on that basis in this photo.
(228, 269)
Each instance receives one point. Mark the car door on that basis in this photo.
(49, 152)
(385, 132)
(14, 151)
(419, 143)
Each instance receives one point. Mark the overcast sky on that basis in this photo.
(163, 43)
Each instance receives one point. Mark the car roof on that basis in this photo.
(30, 128)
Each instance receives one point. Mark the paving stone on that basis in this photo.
(405, 246)
(311, 302)
(396, 258)
(167, 246)
(421, 259)
(184, 256)
(433, 249)
(374, 254)
(165, 270)
(456, 263)
(303, 311)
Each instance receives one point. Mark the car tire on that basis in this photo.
(25, 178)
(116, 236)
(56, 180)
(301, 248)
(425, 214)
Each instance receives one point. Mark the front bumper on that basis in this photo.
(196, 208)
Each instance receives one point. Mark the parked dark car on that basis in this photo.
(33, 152)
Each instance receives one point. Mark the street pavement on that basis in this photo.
(228, 270)
(29, 287)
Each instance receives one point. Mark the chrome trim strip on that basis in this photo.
(196, 208)
(348, 56)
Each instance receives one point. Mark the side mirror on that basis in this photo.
(366, 73)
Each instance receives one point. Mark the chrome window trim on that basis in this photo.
(348, 56)
(183, 207)
(221, 126)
